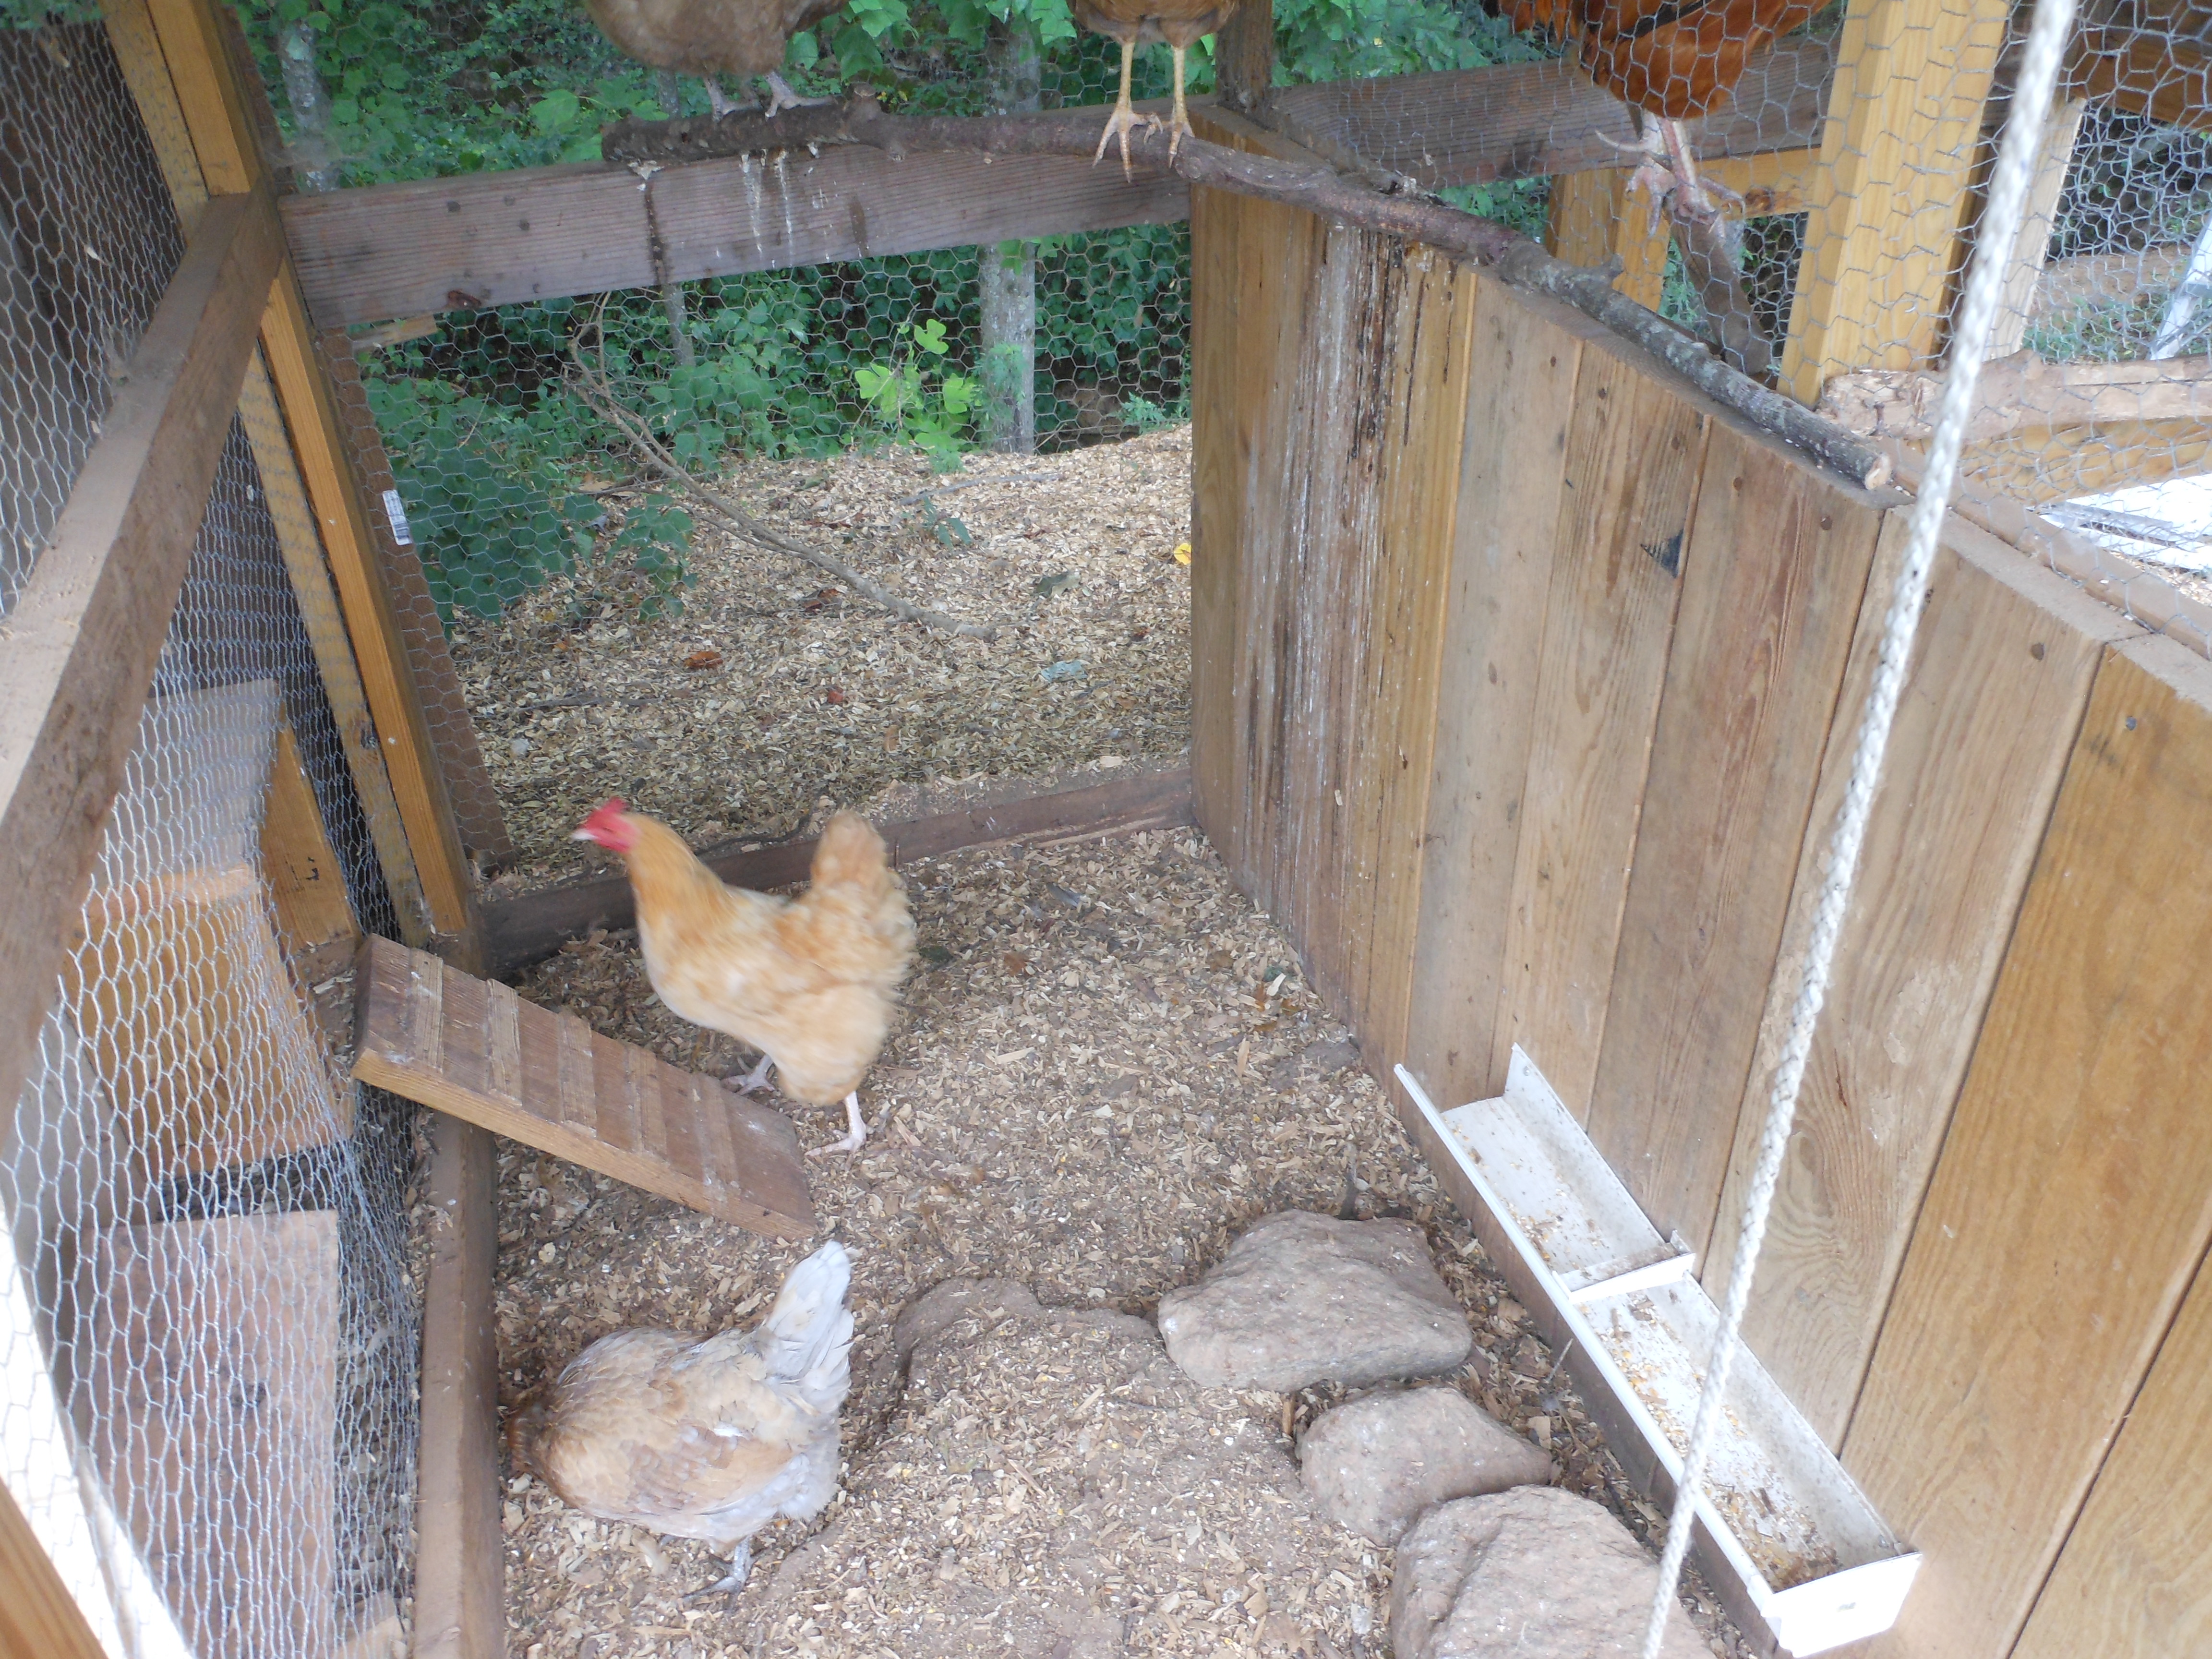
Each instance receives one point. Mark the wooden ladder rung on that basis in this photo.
(478, 1051)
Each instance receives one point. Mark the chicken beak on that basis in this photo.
(581, 834)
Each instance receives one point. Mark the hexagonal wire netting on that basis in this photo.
(207, 1365)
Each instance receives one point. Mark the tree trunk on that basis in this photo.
(315, 167)
(672, 294)
(1008, 359)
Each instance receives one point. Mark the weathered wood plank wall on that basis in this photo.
(1611, 669)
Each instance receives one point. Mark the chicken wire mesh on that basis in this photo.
(208, 1364)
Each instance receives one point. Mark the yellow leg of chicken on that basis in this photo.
(1179, 123)
(1124, 118)
(856, 1130)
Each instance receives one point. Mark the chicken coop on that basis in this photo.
(423, 422)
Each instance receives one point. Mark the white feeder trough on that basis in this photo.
(1785, 1537)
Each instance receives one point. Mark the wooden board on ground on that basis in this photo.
(518, 932)
(1635, 449)
(1773, 574)
(208, 1356)
(460, 1607)
(314, 919)
(2000, 675)
(1526, 354)
(478, 1052)
(2070, 1208)
(2136, 1576)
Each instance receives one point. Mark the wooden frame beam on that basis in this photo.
(521, 930)
(139, 51)
(2145, 71)
(370, 254)
(88, 627)
(216, 116)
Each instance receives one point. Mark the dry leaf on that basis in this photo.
(703, 659)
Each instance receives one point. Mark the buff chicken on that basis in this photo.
(811, 982)
(1135, 23)
(709, 1439)
(712, 38)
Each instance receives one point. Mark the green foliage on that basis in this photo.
(916, 397)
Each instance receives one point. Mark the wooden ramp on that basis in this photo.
(478, 1051)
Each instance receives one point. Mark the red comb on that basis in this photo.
(604, 815)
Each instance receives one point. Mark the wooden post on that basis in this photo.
(460, 1593)
(216, 116)
(1244, 57)
(1896, 151)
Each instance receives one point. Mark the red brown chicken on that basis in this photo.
(1674, 60)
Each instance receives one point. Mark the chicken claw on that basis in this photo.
(719, 102)
(781, 97)
(741, 1566)
(755, 1078)
(855, 1136)
(1124, 120)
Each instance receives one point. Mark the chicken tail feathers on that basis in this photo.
(807, 1340)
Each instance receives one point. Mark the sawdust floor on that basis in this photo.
(774, 695)
(1090, 1094)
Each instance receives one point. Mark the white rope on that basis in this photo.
(2017, 160)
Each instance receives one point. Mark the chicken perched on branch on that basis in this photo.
(708, 1439)
(811, 982)
(1673, 60)
(1181, 23)
(710, 38)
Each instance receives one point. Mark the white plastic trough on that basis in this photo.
(1786, 1536)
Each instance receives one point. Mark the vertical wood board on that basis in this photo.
(2073, 1199)
(2136, 1575)
(1524, 357)
(1772, 577)
(1635, 450)
(2001, 672)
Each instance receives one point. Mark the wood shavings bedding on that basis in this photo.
(1090, 1093)
(806, 695)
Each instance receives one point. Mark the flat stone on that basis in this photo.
(1533, 1573)
(1373, 1465)
(1303, 1298)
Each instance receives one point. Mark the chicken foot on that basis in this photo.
(755, 1078)
(781, 97)
(741, 1567)
(1125, 118)
(856, 1134)
(719, 102)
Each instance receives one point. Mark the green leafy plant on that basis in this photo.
(928, 406)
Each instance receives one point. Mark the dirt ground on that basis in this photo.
(806, 694)
(1092, 1090)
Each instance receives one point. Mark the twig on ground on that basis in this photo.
(595, 390)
